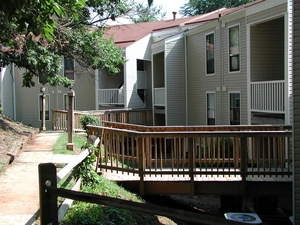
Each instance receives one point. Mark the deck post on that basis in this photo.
(191, 155)
(71, 96)
(48, 197)
(141, 153)
(244, 168)
(43, 107)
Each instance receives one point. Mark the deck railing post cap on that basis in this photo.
(71, 92)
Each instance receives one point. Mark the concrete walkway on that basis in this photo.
(19, 194)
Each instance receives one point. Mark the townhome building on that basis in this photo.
(233, 69)
(229, 66)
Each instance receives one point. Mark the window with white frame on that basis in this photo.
(211, 108)
(140, 64)
(210, 53)
(235, 108)
(234, 48)
(69, 68)
(47, 106)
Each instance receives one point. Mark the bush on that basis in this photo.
(89, 120)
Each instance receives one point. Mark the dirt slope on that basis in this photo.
(12, 137)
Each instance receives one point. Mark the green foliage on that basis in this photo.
(197, 7)
(35, 35)
(60, 145)
(86, 170)
(89, 120)
(146, 13)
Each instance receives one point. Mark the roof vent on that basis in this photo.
(174, 15)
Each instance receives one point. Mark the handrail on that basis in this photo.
(239, 151)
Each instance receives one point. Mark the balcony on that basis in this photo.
(159, 96)
(114, 96)
(267, 96)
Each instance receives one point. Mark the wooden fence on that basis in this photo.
(137, 116)
(244, 152)
(49, 193)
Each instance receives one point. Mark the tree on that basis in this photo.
(34, 35)
(196, 7)
(141, 13)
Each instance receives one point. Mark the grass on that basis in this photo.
(60, 146)
(89, 214)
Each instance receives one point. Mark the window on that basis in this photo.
(69, 68)
(210, 53)
(234, 49)
(235, 108)
(47, 105)
(211, 108)
(140, 64)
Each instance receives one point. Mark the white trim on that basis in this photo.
(39, 107)
(186, 79)
(286, 71)
(14, 89)
(214, 73)
(215, 107)
(248, 50)
(152, 88)
(228, 56)
(234, 92)
(165, 74)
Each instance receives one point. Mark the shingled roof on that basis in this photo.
(127, 34)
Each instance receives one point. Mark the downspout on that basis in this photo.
(14, 90)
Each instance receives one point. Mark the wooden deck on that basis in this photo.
(194, 158)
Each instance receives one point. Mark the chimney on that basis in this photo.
(174, 15)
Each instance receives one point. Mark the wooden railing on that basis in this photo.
(134, 116)
(111, 96)
(191, 153)
(267, 96)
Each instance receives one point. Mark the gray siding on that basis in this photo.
(8, 93)
(27, 99)
(266, 14)
(175, 85)
(296, 69)
(198, 82)
(222, 82)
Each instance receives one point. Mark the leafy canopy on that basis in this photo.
(35, 34)
(196, 7)
(146, 13)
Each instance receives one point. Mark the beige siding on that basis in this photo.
(175, 85)
(296, 69)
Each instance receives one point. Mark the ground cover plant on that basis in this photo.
(61, 143)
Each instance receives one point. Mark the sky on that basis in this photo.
(168, 6)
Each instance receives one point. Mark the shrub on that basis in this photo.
(89, 120)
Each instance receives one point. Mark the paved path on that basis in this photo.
(19, 198)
